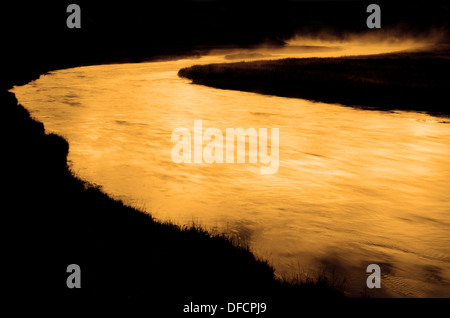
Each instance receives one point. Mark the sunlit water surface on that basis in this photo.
(354, 187)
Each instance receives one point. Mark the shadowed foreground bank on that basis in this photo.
(403, 81)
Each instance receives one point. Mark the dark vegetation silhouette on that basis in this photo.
(406, 81)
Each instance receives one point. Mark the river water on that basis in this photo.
(354, 187)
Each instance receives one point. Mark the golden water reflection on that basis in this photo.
(354, 187)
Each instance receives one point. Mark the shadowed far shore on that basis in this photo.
(416, 81)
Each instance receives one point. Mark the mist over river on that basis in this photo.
(354, 187)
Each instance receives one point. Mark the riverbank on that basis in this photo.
(55, 219)
(416, 81)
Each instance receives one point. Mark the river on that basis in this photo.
(354, 187)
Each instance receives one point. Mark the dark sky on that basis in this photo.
(37, 31)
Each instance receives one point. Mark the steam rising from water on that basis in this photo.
(328, 44)
(376, 36)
